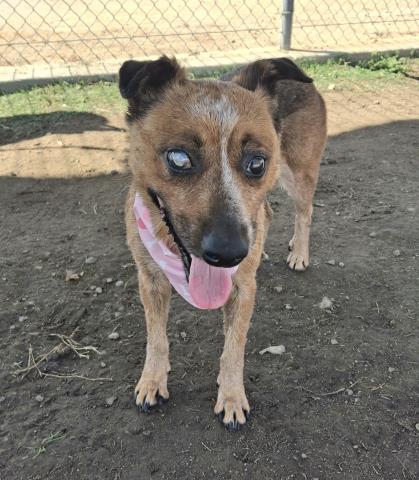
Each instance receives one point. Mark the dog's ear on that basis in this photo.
(266, 73)
(142, 83)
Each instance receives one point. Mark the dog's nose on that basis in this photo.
(224, 250)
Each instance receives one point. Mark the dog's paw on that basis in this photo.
(296, 261)
(298, 258)
(232, 408)
(151, 391)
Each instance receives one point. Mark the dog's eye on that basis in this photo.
(178, 160)
(255, 166)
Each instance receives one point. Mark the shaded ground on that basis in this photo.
(342, 402)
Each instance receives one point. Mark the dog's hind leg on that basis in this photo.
(301, 185)
(155, 292)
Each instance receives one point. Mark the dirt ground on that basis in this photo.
(341, 403)
(57, 31)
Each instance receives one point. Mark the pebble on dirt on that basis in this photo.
(396, 252)
(279, 288)
(341, 264)
(331, 262)
(45, 256)
(333, 341)
(119, 283)
(90, 260)
(110, 401)
(326, 304)
(373, 234)
(39, 398)
(113, 336)
(98, 290)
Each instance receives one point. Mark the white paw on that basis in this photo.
(296, 261)
(151, 389)
(232, 407)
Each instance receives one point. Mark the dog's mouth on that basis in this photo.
(209, 286)
(182, 251)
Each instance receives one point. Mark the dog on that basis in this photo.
(203, 155)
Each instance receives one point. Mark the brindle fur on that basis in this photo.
(261, 104)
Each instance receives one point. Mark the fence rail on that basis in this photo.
(82, 31)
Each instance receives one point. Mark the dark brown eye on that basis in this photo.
(178, 160)
(255, 166)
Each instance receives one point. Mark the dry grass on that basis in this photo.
(67, 344)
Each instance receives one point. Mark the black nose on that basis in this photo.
(226, 248)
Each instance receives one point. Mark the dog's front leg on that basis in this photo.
(232, 405)
(155, 292)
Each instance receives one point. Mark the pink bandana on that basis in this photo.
(208, 287)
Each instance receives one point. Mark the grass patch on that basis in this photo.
(392, 64)
(374, 73)
(103, 97)
(98, 97)
(42, 448)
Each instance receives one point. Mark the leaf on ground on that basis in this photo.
(72, 276)
(275, 350)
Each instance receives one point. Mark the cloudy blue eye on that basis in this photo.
(178, 160)
(255, 166)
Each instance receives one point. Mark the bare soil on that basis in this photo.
(58, 31)
(341, 403)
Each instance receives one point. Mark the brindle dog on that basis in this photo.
(203, 155)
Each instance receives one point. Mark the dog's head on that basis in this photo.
(206, 152)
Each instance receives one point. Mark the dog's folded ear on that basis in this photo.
(141, 83)
(266, 73)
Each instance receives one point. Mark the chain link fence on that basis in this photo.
(97, 31)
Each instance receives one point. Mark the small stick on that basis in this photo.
(203, 444)
(328, 394)
(81, 377)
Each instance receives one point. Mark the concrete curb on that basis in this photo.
(22, 77)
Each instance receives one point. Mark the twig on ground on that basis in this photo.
(34, 363)
(203, 444)
(80, 377)
(328, 394)
(67, 343)
(75, 346)
(405, 468)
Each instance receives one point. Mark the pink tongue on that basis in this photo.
(209, 286)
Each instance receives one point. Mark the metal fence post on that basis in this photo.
(287, 14)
